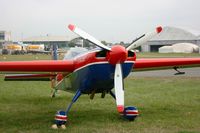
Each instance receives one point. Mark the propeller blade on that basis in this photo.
(88, 37)
(119, 88)
(144, 38)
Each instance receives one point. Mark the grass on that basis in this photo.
(166, 105)
(27, 57)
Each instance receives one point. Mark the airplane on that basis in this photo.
(99, 70)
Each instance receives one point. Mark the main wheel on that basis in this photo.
(130, 113)
(60, 118)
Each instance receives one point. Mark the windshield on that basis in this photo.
(74, 52)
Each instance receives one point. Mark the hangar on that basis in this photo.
(61, 41)
(168, 37)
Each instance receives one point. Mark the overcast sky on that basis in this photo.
(110, 20)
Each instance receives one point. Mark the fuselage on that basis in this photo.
(92, 71)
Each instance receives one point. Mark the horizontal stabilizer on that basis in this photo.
(29, 77)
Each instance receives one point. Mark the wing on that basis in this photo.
(37, 66)
(160, 63)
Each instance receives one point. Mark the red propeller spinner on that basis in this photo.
(118, 54)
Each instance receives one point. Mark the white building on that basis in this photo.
(5, 37)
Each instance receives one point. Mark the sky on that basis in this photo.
(109, 20)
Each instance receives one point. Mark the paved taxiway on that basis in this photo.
(189, 72)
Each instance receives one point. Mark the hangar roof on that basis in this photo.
(172, 33)
(48, 39)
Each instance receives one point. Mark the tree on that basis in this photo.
(122, 43)
(104, 42)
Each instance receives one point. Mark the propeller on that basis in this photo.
(144, 38)
(116, 56)
(119, 88)
(88, 37)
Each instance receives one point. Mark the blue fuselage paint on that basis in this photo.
(98, 77)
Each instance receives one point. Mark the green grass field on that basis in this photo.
(166, 105)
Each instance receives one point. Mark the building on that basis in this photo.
(80, 42)
(5, 37)
(168, 37)
(61, 41)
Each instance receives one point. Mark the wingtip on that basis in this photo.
(159, 29)
(71, 27)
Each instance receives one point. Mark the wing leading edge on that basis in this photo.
(157, 63)
(37, 66)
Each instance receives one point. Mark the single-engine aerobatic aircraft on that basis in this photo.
(94, 71)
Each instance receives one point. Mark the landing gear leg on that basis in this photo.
(112, 94)
(61, 116)
(53, 93)
(77, 95)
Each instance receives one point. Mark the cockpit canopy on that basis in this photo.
(74, 52)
